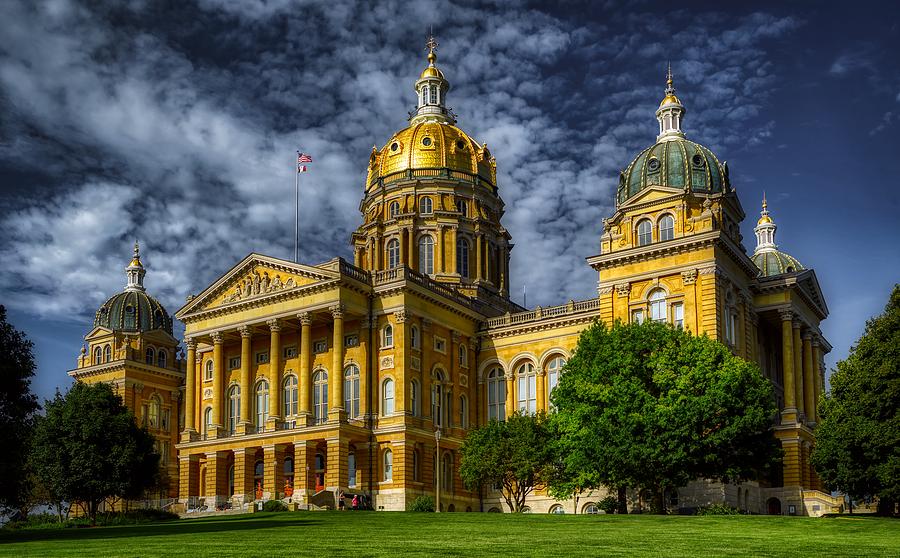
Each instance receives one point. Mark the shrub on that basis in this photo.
(609, 504)
(718, 509)
(134, 517)
(421, 504)
(275, 506)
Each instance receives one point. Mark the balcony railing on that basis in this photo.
(539, 313)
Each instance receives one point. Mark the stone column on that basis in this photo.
(336, 471)
(304, 462)
(541, 394)
(379, 252)
(245, 425)
(439, 250)
(218, 384)
(453, 255)
(479, 238)
(274, 374)
(273, 471)
(305, 360)
(244, 460)
(411, 252)
(809, 389)
(789, 414)
(216, 477)
(818, 379)
(190, 390)
(364, 356)
(480, 403)
(188, 478)
(402, 352)
(798, 367)
(336, 380)
(510, 393)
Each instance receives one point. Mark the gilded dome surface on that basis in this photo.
(775, 262)
(133, 311)
(675, 163)
(431, 149)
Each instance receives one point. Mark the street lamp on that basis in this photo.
(437, 467)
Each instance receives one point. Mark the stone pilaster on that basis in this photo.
(809, 388)
(789, 413)
(798, 367)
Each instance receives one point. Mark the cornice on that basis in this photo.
(122, 365)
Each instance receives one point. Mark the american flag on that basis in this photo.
(303, 158)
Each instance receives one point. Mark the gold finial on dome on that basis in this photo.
(136, 258)
(431, 44)
(764, 218)
(670, 97)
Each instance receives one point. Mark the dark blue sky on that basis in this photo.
(177, 125)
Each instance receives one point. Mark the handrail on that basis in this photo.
(539, 313)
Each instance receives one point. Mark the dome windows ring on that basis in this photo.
(697, 160)
(461, 145)
(653, 164)
(395, 146)
(426, 141)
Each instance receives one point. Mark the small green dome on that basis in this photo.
(674, 162)
(774, 262)
(133, 311)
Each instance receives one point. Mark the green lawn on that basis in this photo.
(356, 534)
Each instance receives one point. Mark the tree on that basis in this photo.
(653, 407)
(515, 455)
(857, 447)
(17, 409)
(88, 447)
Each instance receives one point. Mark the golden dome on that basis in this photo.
(431, 70)
(669, 100)
(764, 220)
(431, 149)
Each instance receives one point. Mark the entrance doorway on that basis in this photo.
(320, 472)
(773, 506)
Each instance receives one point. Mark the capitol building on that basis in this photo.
(297, 382)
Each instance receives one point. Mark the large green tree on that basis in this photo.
(654, 407)
(17, 409)
(88, 447)
(515, 455)
(858, 437)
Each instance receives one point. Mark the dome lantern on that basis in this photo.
(432, 88)
(670, 112)
(133, 310)
(768, 258)
(135, 271)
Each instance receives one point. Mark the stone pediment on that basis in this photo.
(650, 194)
(255, 277)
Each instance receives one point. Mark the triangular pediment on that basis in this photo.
(253, 277)
(809, 284)
(650, 194)
(98, 331)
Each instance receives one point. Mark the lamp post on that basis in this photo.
(437, 471)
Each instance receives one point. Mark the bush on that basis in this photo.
(718, 509)
(275, 506)
(134, 517)
(421, 504)
(609, 504)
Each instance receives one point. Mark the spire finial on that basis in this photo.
(431, 44)
(765, 205)
(670, 85)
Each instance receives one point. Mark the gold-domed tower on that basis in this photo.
(431, 201)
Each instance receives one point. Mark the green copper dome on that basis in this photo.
(673, 162)
(133, 311)
(775, 262)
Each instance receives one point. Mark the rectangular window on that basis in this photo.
(289, 352)
(678, 315)
(637, 316)
(320, 346)
(234, 362)
(351, 340)
(440, 344)
(165, 419)
(262, 358)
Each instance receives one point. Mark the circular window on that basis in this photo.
(460, 144)
(395, 146)
(697, 160)
(653, 164)
(426, 141)
(129, 309)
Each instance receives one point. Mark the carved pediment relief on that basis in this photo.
(258, 281)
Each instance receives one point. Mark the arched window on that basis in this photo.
(289, 396)
(320, 396)
(590, 508)
(259, 470)
(437, 399)
(351, 391)
(288, 477)
(207, 420)
(149, 356)
(107, 353)
(351, 469)
(426, 255)
(463, 412)
(557, 510)
(645, 232)
(393, 210)
(393, 253)
(657, 300)
(414, 398)
(234, 408)
(98, 355)
(462, 207)
(387, 336)
(161, 357)
(554, 369)
(388, 465)
(463, 356)
(729, 316)
(231, 480)
(666, 228)
(462, 257)
(153, 412)
(262, 405)
(425, 206)
(414, 337)
(447, 472)
(387, 397)
(496, 394)
(209, 370)
(527, 389)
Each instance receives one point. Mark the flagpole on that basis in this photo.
(297, 212)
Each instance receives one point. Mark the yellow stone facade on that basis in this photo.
(303, 381)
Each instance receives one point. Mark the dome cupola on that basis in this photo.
(432, 88)
(670, 112)
(133, 310)
(767, 257)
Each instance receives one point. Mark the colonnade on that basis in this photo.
(803, 380)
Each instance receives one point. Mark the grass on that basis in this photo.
(357, 534)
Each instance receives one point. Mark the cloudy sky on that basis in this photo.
(176, 124)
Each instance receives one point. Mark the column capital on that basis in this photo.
(305, 318)
(786, 314)
(807, 336)
(426, 324)
(815, 340)
(190, 343)
(400, 316)
(689, 277)
(274, 325)
(798, 323)
(217, 337)
(245, 332)
(455, 337)
(337, 311)
(623, 289)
